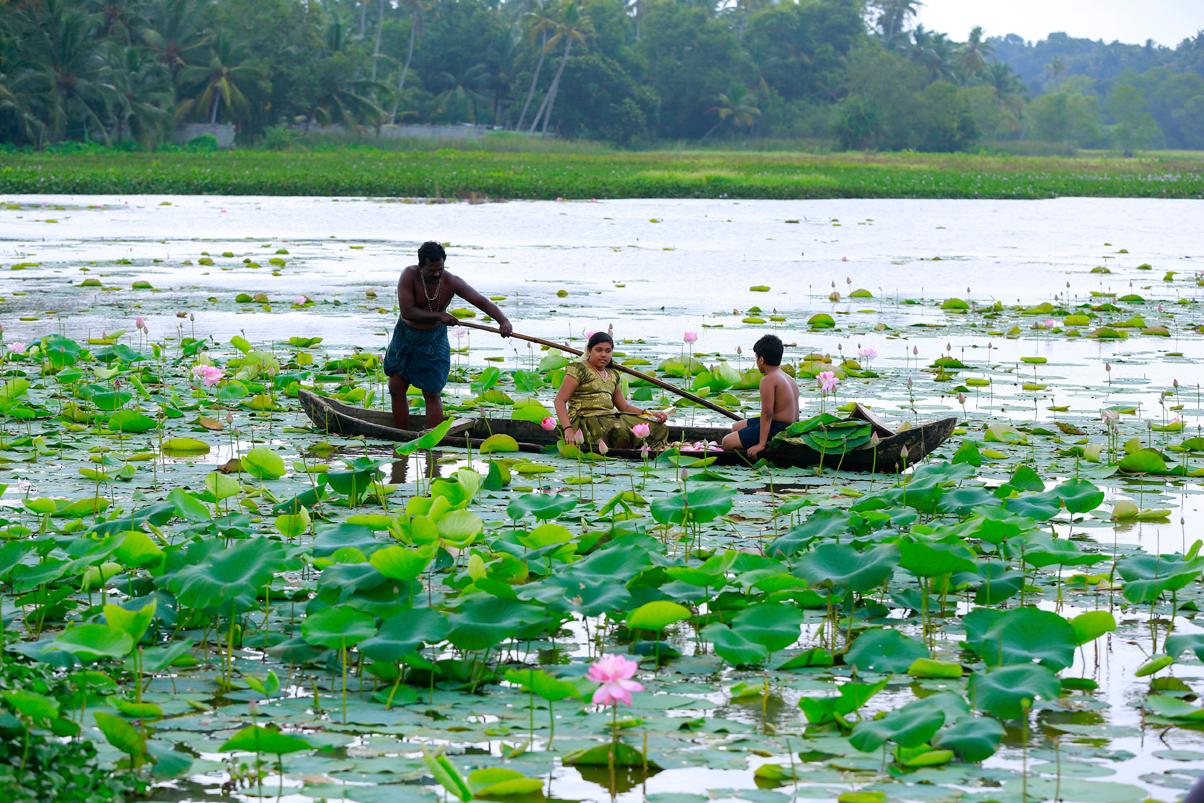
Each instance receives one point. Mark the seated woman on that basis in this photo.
(591, 408)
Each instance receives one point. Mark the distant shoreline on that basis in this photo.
(484, 175)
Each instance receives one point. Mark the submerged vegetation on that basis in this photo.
(482, 172)
(220, 598)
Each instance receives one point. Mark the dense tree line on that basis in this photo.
(856, 72)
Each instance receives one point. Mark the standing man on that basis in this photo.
(419, 353)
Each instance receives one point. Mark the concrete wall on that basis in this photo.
(438, 132)
(222, 132)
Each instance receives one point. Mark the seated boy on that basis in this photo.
(779, 401)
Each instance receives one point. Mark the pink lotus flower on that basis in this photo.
(868, 353)
(589, 333)
(578, 436)
(458, 332)
(827, 381)
(602, 447)
(208, 375)
(300, 300)
(1111, 419)
(689, 337)
(16, 347)
(140, 323)
(641, 430)
(614, 672)
(961, 398)
(548, 424)
(644, 451)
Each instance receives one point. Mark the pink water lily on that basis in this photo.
(614, 672)
(300, 300)
(689, 337)
(548, 423)
(867, 353)
(641, 430)
(208, 375)
(827, 381)
(17, 347)
(140, 323)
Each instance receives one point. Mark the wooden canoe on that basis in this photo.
(338, 418)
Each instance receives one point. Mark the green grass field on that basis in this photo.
(485, 173)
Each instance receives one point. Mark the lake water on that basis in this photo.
(654, 269)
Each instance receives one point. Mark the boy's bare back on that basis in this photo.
(780, 390)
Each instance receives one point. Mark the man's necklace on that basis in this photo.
(429, 297)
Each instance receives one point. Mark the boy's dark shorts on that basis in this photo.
(750, 435)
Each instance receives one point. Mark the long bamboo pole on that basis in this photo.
(660, 383)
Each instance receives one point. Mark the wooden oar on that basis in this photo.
(660, 383)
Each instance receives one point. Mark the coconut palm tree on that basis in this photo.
(143, 96)
(934, 51)
(538, 26)
(226, 78)
(61, 68)
(973, 55)
(571, 26)
(893, 16)
(736, 108)
(178, 32)
(417, 9)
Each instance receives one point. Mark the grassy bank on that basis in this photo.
(465, 173)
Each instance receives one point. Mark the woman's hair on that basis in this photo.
(598, 337)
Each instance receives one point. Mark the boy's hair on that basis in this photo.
(769, 348)
(430, 251)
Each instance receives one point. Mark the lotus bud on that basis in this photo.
(602, 447)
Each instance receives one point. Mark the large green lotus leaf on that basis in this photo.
(221, 486)
(545, 686)
(842, 567)
(771, 625)
(131, 421)
(499, 443)
(972, 738)
(460, 527)
(698, 505)
(657, 615)
(967, 500)
(822, 525)
(254, 739)
(1091, 625)
(1020, 636)
(93, 642)
(541, 506)
(111, 400)
(428, 440)
(849, 698)
(613, 754)
(31, 705)
(121, 734)
(1148, 577)
(132, 623)
(1079, 496)
(263, 463)
(406, 632)
(1144, 461)
(885, 650)
(402, 563)
(227, 579)
(338, 627)
(1042, 549)
(1180, 643)
(351, 484)
(502, 782)
(184, 446)
(934, 559)
(912, 725)
(734, 648)
(486, 622)
(1167, 707)
(1008, 692)
(993, 580)
(1038, 506)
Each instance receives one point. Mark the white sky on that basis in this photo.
(1167, 22)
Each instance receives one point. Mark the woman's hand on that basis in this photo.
(659, 416)
(573, 435)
